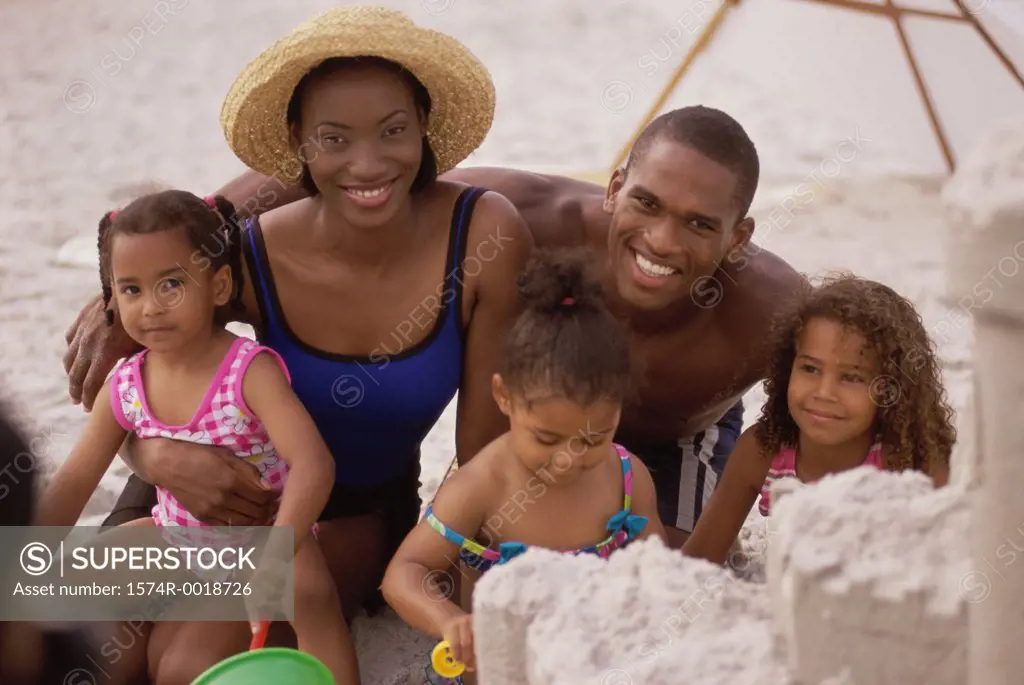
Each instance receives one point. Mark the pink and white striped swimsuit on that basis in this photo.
(222, 419)
(784, 466)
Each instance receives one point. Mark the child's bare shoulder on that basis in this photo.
(264, 364)
(475, 484)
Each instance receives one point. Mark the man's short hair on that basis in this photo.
(714, 134)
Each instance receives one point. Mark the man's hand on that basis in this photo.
(93, 349)
(459, 633)
(216, 487)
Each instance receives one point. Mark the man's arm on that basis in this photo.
(253, 194)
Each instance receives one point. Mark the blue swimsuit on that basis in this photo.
(374, 410)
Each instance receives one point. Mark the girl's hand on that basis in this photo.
(459, 633)
(267, 582)
(426, 557)
(93, 349)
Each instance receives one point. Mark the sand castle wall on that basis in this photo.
(985, 204)
(872, 578)
(863, 588)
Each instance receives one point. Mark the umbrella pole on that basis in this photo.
(703, 40)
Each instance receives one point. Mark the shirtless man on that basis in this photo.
(671, 234)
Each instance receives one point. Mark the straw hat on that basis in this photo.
(254, 114)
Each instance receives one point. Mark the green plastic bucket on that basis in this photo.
(268, 666)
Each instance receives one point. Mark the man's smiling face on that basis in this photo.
(675, 218)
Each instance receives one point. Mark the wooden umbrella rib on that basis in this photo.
(702, 41)
(922, 90)
(973, 20)
(888, 10)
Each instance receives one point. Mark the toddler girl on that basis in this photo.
(555, 479)
(853, 381)
(168, 261)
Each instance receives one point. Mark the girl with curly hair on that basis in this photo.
(853, 381)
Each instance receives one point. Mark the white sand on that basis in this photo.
(866, 571)
(645, 616)
(98, 99)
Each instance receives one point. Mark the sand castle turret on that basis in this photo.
(985, 202)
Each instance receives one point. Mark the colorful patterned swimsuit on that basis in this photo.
(222, 419)
(623, 527)
(784, 466)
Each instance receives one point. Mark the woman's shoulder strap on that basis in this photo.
(462, 217)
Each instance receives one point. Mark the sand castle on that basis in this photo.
(871, 578)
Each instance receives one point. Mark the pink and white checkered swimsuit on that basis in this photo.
(222, 419)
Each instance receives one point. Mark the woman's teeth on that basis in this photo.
(652, 269)
(373, 192)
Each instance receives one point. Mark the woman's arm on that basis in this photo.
(499, 246)
(415, 583)
(297, 440)
(723, 517)
(76, 480)
(645, 501)
(253, 194)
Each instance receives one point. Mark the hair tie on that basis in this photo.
(568, 301)
(114, 213)
(210, 201)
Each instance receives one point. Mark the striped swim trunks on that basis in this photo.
(685, 472)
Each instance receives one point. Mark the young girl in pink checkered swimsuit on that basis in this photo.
(168, 262)
(222, 419)
(853, 382)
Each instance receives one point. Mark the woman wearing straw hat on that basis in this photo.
(385, 292)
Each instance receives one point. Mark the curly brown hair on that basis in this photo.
(915, 421)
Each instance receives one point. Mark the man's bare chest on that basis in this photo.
(682, 385)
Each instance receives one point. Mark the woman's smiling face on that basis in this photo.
(360, 133)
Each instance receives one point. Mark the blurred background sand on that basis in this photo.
(100, 99)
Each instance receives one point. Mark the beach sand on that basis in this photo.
(100, 101)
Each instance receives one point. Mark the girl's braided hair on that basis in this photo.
(914, 421)
(210, 225)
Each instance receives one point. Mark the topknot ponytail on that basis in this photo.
(558, 283)
(566, 342)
